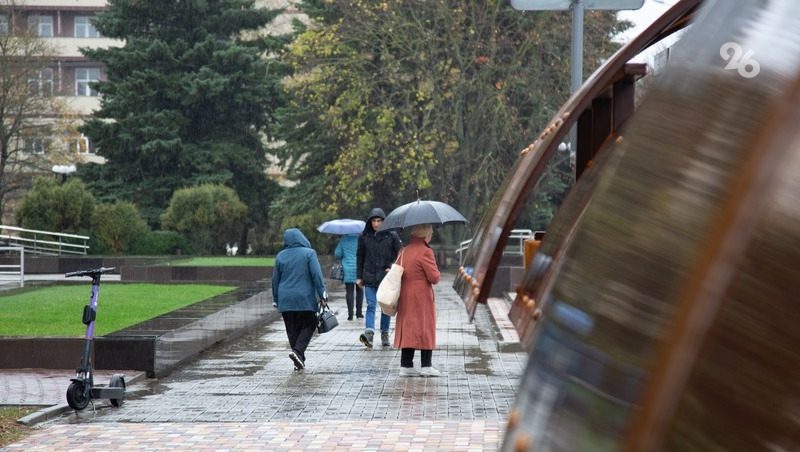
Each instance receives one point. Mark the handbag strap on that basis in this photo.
(399, 258)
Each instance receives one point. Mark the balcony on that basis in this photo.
(82, 105)
(70, 47)
(69, 4)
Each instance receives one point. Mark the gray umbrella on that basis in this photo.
(421, 212)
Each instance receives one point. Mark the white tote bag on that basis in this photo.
(389, 289)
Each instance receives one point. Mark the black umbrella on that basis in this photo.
(421, 212)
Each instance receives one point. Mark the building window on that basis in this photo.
(41, 82)
(84, 77)
(3, 25)
(84, 28)
(37, 145)
(41, 25)
(83, 145)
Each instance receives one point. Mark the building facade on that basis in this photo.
(64, 26)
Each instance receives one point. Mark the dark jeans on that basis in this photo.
(351, 290)
(300, 327)
(407, 357)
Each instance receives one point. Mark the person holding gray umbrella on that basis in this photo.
(416, 308)
(345, 252)
(415, 327)
(377, 251)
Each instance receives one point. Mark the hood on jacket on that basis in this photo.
(293, 238)
(374, 213)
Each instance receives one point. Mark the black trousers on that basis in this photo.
(300, 327)
(407, 357)
(351, 291)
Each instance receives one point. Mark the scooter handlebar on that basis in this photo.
(93, 272)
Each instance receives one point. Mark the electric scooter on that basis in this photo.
(82, 390)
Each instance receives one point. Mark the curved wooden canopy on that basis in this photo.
(601, 107)
(661, 309)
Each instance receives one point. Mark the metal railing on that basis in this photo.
(16, 271)
(514, 247)
(44, 242)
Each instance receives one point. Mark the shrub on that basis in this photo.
(159, 243)
(54, 206)
(117, 226)
(210, 216)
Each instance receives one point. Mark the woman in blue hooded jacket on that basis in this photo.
(297, 287)
(346, 252)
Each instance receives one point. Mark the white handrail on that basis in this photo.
(36, 231)
(63, 243)
(19, 269)
(513, 249)
(520, 235)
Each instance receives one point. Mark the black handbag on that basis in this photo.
(326, 319)
(337, 272)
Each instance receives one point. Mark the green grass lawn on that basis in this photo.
(57, 310)
(10, 430)
(226, 261)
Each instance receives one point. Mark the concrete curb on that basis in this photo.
(57, 410)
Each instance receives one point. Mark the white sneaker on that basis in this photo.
(408, 372)
(429, 372)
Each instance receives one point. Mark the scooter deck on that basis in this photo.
(106, 392)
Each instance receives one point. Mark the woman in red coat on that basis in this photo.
(416, 309)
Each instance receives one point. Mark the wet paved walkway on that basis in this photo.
(246, 395)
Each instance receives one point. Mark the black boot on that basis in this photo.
(359, 302)
(350, 288)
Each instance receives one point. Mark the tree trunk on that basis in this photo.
(243, 239)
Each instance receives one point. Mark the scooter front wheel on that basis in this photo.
(77, 395)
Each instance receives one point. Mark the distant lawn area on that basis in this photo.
(226, 261)
(57, 310)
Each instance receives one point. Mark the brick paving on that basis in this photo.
(277, 436)
(245, 395)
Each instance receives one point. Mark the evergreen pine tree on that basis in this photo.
(189, 99)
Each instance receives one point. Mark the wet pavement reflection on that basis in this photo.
(251, 379)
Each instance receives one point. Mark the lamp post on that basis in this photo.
(64, 171)
(576, 55)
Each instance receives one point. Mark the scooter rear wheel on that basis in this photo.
(77, 396)
(117, 381)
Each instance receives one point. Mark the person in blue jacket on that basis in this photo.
(346, 253)
(297, 287)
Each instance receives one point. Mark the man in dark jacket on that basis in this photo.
(297, 287)
(376, 254)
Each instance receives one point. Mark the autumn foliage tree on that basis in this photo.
(394, 98)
